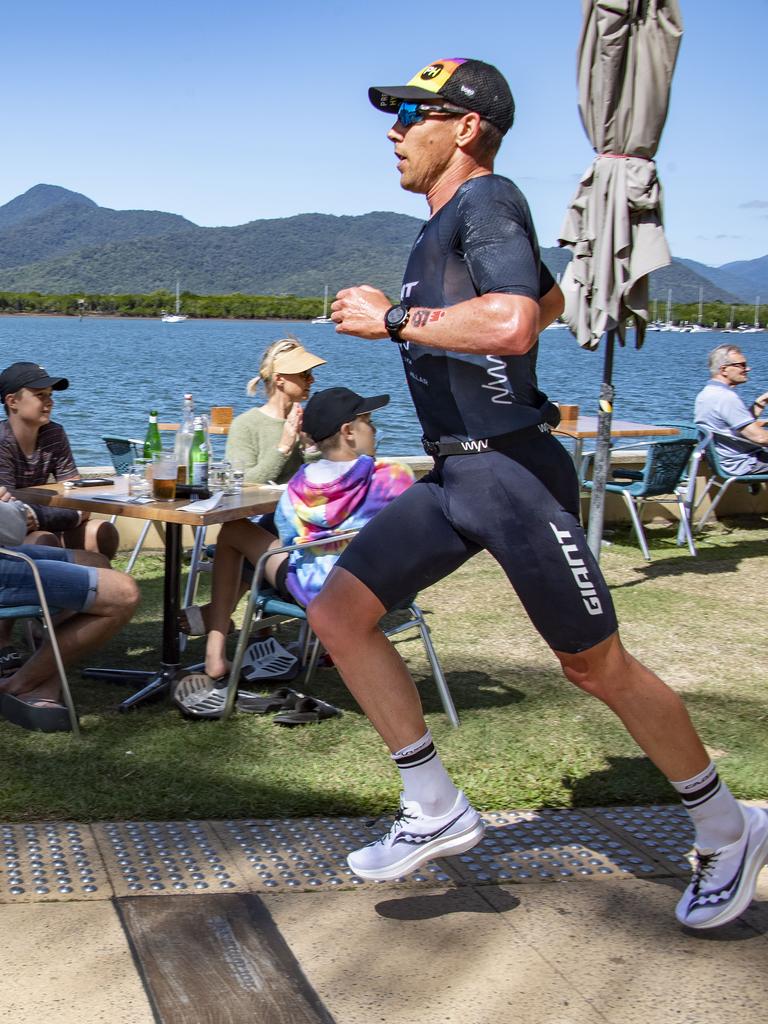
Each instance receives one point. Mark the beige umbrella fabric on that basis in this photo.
(626, 59)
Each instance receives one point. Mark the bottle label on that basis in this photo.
(199, 474)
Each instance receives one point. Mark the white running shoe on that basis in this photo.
(724, 880)
(415, 838)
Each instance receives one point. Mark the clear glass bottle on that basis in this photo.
(184, 435)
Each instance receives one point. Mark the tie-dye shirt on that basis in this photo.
(310, 511)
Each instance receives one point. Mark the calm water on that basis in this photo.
(119, 369)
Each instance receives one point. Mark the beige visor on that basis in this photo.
(296, 361)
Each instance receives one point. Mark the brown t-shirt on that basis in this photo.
(52, 457)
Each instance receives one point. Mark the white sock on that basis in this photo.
(714, 810)
(425, 780)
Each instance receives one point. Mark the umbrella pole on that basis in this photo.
(602, 463)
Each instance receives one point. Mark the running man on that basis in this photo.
(474, 299)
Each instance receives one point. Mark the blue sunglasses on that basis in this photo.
(415, 113)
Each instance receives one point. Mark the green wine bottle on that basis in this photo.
(198, 456)
(152, 442)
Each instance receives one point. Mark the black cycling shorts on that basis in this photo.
(521, 505)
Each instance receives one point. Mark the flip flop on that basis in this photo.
(197, 695)
(50, 717)
(305, 711)
(280, 699)
(11, 660)
(268, 659)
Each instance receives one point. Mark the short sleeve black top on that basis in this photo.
(481, 241)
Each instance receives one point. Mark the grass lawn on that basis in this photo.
(527, 738)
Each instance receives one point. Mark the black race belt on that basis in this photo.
(500, 443)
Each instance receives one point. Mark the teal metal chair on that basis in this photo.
(124, 451)
(41, 612)
(265, 608)
(721, 480)
(664, 477)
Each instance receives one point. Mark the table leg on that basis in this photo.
(158, 682)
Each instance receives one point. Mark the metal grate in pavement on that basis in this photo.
(50, 861)
(535, 846)
(151, 858)
(310, 854)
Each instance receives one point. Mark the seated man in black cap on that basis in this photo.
(33, 450)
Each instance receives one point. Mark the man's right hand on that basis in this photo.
(5, 494)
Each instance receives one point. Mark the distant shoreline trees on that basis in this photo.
(227, 307)
(284, 307)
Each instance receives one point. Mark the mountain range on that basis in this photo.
(53, 240)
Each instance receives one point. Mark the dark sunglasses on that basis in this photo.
(414, 113)
(741, 366)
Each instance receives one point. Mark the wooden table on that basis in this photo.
(252, 500)
(586, 427)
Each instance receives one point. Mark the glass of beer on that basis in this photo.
(164, 469)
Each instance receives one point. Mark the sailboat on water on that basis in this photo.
(324, 319)
(177, 317)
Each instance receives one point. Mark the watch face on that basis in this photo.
(395, 316)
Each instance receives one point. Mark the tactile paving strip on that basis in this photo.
(664, 833)
(174, 857)
(309, 854)
(50, 861)
(536, 846)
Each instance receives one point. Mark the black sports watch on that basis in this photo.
(395, 320)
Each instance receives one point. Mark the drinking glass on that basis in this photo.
(139, 484)
(164, 468)
(237, 476)
(218, 476)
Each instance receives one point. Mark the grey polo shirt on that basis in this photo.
(718, 407)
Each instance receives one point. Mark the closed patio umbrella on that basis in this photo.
(626, 58)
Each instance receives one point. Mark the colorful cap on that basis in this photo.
(462, 81)
(327, 411)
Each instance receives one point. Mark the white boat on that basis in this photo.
(177, 317)
(324, 319)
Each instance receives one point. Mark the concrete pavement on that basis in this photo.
(558, 917)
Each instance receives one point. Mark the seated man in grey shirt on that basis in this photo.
(721, 410)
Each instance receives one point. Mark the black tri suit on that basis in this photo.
(520, 499)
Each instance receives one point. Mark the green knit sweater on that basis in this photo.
(253, 440)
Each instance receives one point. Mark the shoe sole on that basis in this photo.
(448, 847)
(746, 892)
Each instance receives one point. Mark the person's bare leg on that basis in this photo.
(345, 615)
(651, 712)
(96, 535)
(116, 600)
(235, 541)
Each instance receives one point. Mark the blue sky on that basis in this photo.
(232, 111)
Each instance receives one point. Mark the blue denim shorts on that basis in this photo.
(67, 586)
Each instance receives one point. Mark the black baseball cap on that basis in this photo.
(28, 375)
(327, 411)
(461, 81)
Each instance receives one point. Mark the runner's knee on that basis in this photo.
(600, 671)
(343, 610)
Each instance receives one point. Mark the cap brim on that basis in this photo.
(301, 362)
(373, 403)
(389, 97)
(54, 383)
